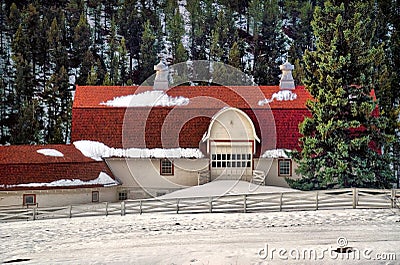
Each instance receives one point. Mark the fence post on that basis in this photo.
(355, 198)
(34, 214)
(281, 202)
(210, 204)
(393, 198)
(316, 200)
(106, 208)
(140, 207)
(122, 208)
(177, 206)
(244, 203)
(70, 211)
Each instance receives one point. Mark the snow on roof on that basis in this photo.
(282, 95)
(97, 151)
(224, 187)
(50, 152)
(102, 179)
(147, 99)
(276, 153)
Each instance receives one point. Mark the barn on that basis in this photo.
(158, 139)
(130, 142)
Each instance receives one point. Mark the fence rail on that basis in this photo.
(267, 202)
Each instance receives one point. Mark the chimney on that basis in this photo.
(287, 82)
(161, 79)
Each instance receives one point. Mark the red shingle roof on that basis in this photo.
(238, 97)
(184, 126)
(22, 164)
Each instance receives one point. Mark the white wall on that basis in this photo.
(270, 166)
(58, 197)
(142, 176)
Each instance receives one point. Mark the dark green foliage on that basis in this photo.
(148, 55)
(342, 139)
(47, 47)
(269, 41)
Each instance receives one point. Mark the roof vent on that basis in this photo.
(287, 81)
(161, 79)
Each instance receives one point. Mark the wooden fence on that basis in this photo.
(266, 202)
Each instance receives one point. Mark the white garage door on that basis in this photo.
(231, 160)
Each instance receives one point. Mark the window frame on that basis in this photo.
(94, 194)
(280, 174)
(162, 167)
(28, 196)
(122, 195)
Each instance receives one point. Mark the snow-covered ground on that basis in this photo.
(206, 238)
(224, 187)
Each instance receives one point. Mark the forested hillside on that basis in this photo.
(47, 47)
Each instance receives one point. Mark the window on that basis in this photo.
(29, 199)
(166, 167)
(95, 196)
(284, 167)
(123, 195)
(230, 160)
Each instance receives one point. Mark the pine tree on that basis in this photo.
(175, 32)
(112, 55)
(92, 77)
(269, 41)
(81, 41)
(234, 56)
(148, 54)
(342, 138)
(122, 63)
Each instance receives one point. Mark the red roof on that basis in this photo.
(22, 164)
(238, 97)
(184, 126)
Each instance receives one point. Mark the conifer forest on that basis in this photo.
(49, 47)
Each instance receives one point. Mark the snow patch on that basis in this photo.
(224, 187)
(275, 153)
(103, 179)
(50, 152)
(147, 99)
(97, 151)
(283, 95)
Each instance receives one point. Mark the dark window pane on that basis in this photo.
(218, 164)
(213, 157)
(248, 164)
(218, 156)
(233, 156)
(223, 156)
(223, 163)
(228, 157)
(214, 164)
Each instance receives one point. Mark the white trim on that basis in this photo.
(222, 111)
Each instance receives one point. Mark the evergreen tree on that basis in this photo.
(113, 56)
(269, 41)
(342, 138)
(122, 63)
(92, 77)
(148, 54)
(81, 41)
(234, 56)
(175, 32)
